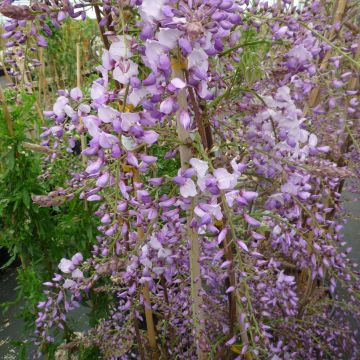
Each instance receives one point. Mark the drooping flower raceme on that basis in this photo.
(255, 203)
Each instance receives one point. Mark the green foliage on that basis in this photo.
(89, 353)
(252, 56)
(60, 53)
(39, 237)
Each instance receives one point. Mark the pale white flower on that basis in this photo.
(225, 180)
(66, 266)
(201, 167)
(120, 48)
(188, 189)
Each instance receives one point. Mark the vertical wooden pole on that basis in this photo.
(78, 84)
(315, 92)
(7, 116)
(194, 256)
(78, 65)
(42, 77)
(151, 333)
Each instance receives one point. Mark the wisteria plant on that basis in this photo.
(235, 252)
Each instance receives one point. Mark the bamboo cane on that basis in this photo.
(146, 294)
(315, 92)
(42, 77)
(196, 287)
(7, 116)
(78, 84)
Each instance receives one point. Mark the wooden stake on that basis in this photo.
(78, 84)
(7, 116)
(78, 65)
(196, 287)
(315, 92)
(42, 77)
(146, 294)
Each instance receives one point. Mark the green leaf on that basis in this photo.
(26, 199)
(9, 262)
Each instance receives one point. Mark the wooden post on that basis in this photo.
(315, 92)
(7, 116)
(42, 77)
(146, 294)
(78, 84)
(194, 256)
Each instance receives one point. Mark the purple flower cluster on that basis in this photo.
(259, 192)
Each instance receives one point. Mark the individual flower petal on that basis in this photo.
(150, 137)
(128, 142)
(243, 245)
(106, 141)
(221, 236)
(132, 159)
(92, 124)
(155, 243)
(168, 37)
(68, 283)
(77, 259)
(153, 51)
(76, 94)
(151, 10)
(94, 167)
(98, 93)
(107, 114)
(94, 198)
(188, 189)
(129, 120)
(229, 290)
(251, 221)
(178, 83)
(66, 266)
(167, 105)
(185, 119)
(103, 180)
(59, 105)
(77, 274)
(200, 166)
(313, 140)
(120, 48)
(124, 73)
(198, 58)
(225, 180)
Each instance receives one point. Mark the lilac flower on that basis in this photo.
(151, 10)
(66, 266)
(251, 221)
(120, 48)
(188, 189)
(225, 180)
(125, 71)
(185, 119)
(76, 94)
(178, 83)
